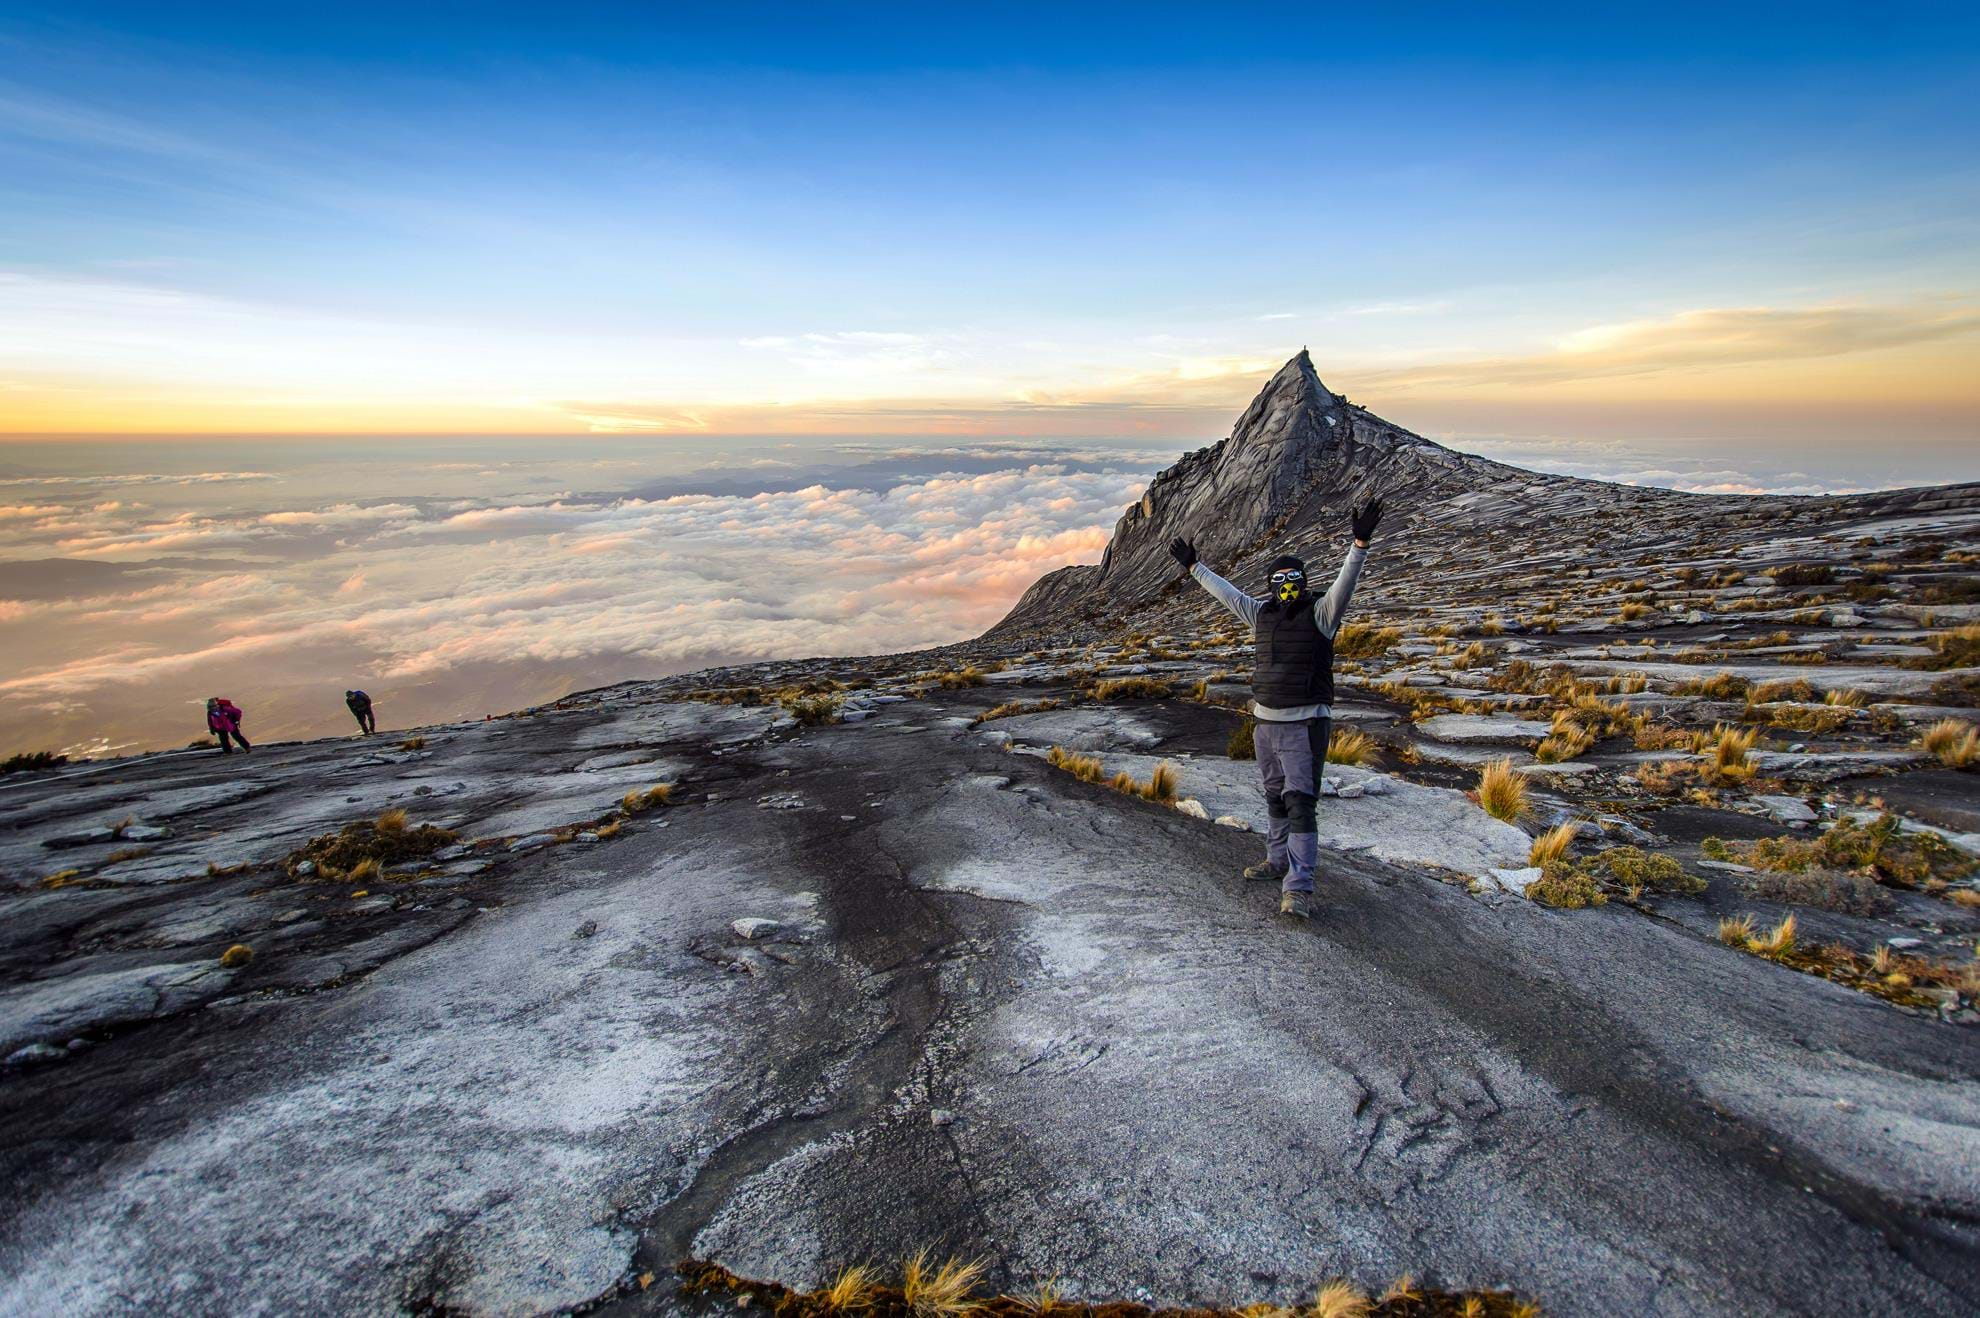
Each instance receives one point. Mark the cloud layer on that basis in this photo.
(405, 592)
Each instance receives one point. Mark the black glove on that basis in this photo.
(1184, 552)
(1365, 519)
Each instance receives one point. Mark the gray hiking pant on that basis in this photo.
(1290, 758)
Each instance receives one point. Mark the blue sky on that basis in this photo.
(1092, 218)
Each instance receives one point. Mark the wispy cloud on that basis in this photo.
(1712, 339)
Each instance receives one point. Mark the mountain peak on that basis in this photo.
(1297, 458)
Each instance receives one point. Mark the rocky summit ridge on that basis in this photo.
(1301, 456)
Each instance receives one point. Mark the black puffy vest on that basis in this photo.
(1294, 663)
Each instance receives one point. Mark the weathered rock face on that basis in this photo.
(1298, 458)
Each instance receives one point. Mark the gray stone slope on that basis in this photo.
(999, 1011)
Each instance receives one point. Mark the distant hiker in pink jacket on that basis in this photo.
(223, 720)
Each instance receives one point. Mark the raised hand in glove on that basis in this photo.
(1365, 519)
(1184, 552)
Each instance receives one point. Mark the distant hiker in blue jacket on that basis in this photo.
(360, 706)
(1292, 688)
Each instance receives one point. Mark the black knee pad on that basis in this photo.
(1275, 806)
(1300, 811)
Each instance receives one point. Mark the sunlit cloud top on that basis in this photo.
(1008, 222)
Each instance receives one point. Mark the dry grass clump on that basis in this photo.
(949, 1290)
(1958, 648)
(1339, 1298)
(1086, 768)
(1780, 689)
(237, 956)
(954, 679)
(640, 800)
(1161, 787)
(811, 710)
(1162, 783)
(1895, 978)
(1502, 791)
(941, 1290)
(1132, 688)
(1631, 611)
(1470, 655)
(1719, 686)
(1815, 719)
(1845, 699)
(1351, 746)
(852, 1290)
(1243, 743)
(1551, 847)
(1801, 574)
(413, 744)
(1627, 684)
(1650, 736)
(1012, 708)
(365, 849)
(1361, 640)
(1567, 740)
(1728, 747)
(1955, 742)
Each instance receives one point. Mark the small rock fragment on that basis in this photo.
(754, 927)
(1193, 808)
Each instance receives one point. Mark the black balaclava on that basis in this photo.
(1288, 595)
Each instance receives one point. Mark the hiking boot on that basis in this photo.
(1265, 869)
(1299, 905)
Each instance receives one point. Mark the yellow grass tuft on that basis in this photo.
(1551, 845)
(1133, 688)
(940, 1292)
(413, 744)
(1086, 768)
(1568, 740)
(1845, 699)
(1046, 1297)
(237, 956)
(1123, 781)
(1502, 791)
(1350, 746)
(1339, 1298)
(1728, 747)
(851, 1291)
(1964, 897)
(1955, 742)
(1403, 1288)
(366, 870)
(1777, 941)
(1162, 783)
(393, 821)
(1736, 931)
(1631, 611)
(1360, 640)
(637, 801)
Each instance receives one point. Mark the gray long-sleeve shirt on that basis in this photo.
(1328, 611)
